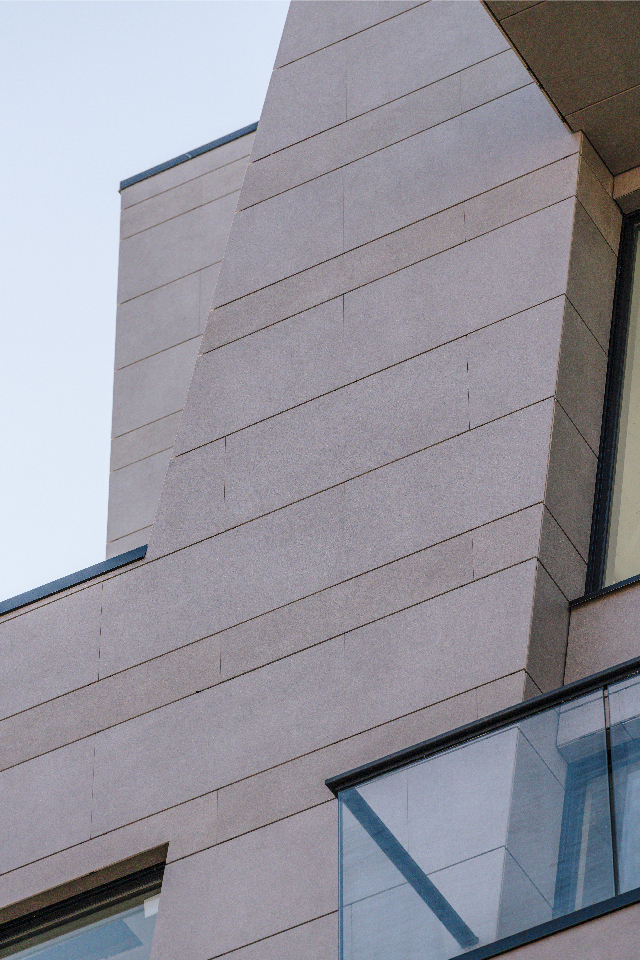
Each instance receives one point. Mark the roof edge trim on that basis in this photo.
(72, 579)
(129, 182)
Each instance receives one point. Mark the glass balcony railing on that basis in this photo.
(503, 832)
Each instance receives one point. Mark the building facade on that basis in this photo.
(358, 676)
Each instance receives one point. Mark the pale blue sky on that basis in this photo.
(94, 91)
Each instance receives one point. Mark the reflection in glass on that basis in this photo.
(124, 932)
(624, 735)
(487, 839)
(622, 559)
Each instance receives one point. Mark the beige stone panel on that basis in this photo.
(157, 320)
(129, 542)
(599, 205)
(347, 605)
(521, 197)
(391, 512)
(603, 632)
(153, 388)
(111, 701)
(46, 804)
(251, 888)
(596, 164)
(425, 44)
(581, 377)
(309, 28)
(590, 282)
(465, 288)
(382, 127)
(274, 240)
(569, 491)
(561, 558)
(49, 650)
(614, 936)
(505, 692)
(195, 167)
(529, 240)
(227, 733)
(174, 249)
(505, 542)
(187, 828)
(259, 376)
(317, 445)
(318, 939)
(332, 279)
(451, 162)
(133, 494)
(548, 633)
(303, 98)
(284, 790)
(275, 635)
(514, 363)
(404, 662)
(144, 441)
(187, 196)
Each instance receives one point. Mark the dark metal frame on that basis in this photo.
(72, 579)
(470, 731)
(612, 404)
(552, 926)
(38, 922)
(206, 147)
(344, 783)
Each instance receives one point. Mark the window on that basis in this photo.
(495, 835)
(614, 551)
(115, 921)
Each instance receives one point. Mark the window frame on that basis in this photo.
(504, 718)
(18, 931)
(612, 407)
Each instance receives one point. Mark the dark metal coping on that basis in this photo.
(129, 182)
(604, 591)
(469, 731)
(48, 589)
(82, 905)
(551, 927)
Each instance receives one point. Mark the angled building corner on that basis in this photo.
(379, 598)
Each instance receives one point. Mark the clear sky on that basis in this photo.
(94, 91)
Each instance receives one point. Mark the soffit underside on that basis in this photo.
(585, 56)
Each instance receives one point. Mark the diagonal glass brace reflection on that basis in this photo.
(408, 868)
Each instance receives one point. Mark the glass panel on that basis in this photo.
(623, 533)
(624, 737)
(124, 932)
(480, 841)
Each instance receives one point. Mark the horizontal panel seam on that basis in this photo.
(180, 343)
(182, 213)
(177, 186)
(253, 775)
(349, 35)
(597, 103)
(262, 666)
(147, 456)
(380, 106)
(136, 296)
(348, 163)
(366, 376)
(358, 286)
(144, 425)
(357, 476)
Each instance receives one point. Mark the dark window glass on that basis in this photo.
(615, 530)
(121, 930)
